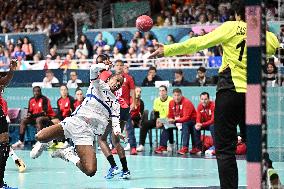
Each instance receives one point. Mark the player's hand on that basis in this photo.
(117, 130)
(132, 106)
(172, 121)
(198, 126)
(159, 124)
(157, 53)
(13, 64)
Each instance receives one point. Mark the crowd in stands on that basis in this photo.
(53, 17)
(202, 12)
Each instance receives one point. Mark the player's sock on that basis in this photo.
(124, 164)
(13, 155)
(4, 154)
(111, 161)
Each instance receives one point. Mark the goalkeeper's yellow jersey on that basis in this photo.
(232, 36)
(162, 106)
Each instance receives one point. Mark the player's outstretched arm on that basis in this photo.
(272, 43)
(95, 70)
(195, 44)
(4, 81)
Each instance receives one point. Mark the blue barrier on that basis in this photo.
(26, 77)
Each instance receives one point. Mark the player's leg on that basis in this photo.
(146, 126)
(4, 147)
(20, 143)
(42, 122)
(125, 174)
(18, 161)
(50, 133)
(84, 158)
(102, 140)
(131, 135)
(44, 136)
(88, 159)
(78, 130)
(229, 110)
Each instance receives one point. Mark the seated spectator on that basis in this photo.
(86, 45)
(27, 48)
(179, 79)
(107, 50)
(170, 40)
(53, 53)
(204, 120)
(4, 59)
(49, 63)
(201, 79)
(160, 108)
(116, 54)
(272, 79)
(68, 63)
(82, 50)
(151, 78)
(73, 82)
(71, 52)
(211, 19)
(65, 105)
(36, 64)
(83, 63)
(18, 53)
(182, 113)
(148, 37)
(120, 43)
(39, 114)
(49, 79)
(99, 41)
(79, 97)
(202, 19)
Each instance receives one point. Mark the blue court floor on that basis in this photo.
(157, 171)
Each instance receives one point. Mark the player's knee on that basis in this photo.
(91, 171)
(39, 136)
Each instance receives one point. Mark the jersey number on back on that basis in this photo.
(241, 45)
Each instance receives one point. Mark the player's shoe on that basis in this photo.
(140, 148)
(127, 147)
(18, 145)
(111, 172)
(183, 150)
(160, 149)
(63, 153)
(125, 175)
(21, 165)
(133, 151)
(38, 149)
(5, 186)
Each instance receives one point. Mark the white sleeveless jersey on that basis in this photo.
(100, 104)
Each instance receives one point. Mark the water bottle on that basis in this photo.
(65, 76)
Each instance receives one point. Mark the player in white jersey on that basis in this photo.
(89, 119)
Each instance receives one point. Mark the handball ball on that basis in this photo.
(144, 23)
